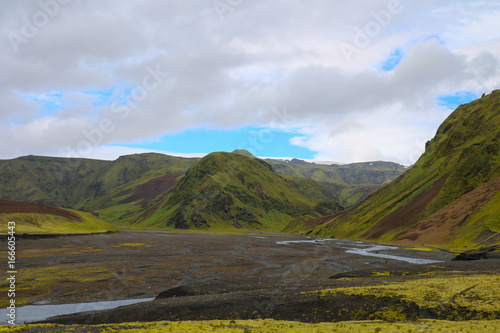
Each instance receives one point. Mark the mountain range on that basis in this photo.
(159, 190)
(449, 198)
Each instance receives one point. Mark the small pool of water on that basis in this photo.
(32, 313)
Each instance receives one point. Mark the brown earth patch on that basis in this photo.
(151, 189)
(407, 214)
(437, 228)
(12, 207)
(333, 188)
(312, 223)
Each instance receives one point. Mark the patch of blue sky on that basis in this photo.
(397, 55)
(259, 141)
(49, 103)
(458, 98)
(429, 37)
(123, 96)
(191, 109)
(394, 59)
(101, 97)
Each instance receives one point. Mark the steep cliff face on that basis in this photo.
(450, 197)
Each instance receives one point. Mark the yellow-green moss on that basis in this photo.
(40, 281)
(270, 325)
(133, 244)
(39, 224)
(474, 292)
(420, 248)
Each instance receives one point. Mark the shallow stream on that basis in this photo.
(32, 313)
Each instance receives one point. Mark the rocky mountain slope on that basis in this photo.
(449, 198)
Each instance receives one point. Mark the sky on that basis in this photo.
(328, 81)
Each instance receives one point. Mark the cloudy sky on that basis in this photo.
(327, 80)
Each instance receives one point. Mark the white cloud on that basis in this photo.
(236, 71)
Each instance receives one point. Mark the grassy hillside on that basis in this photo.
(37, 219)
(354, 174)
(350, 183)
(226, 190)
(453, 188)
(120, 190)
(83, 184)
(47, 180)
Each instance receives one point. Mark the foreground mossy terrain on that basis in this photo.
(452, 295)
(270, 325)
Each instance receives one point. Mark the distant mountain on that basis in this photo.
(74, 182)
(120, 190)
(351, 183)
(39, 219)
(449, 198)
(231, 190)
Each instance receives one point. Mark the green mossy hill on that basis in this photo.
(351, 183)
(34, 219)
(243, 152)
(449, 198)
(228, 191)
(353, 174)
(73, 182)
(117, 191)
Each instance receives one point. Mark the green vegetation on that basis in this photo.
(133, 190)
(73, 182)
(350, 183)
(232, 191)
(40, 224)
(38, 219)
(463, 158)
(37, 283)
(438, 294)
(270, 325)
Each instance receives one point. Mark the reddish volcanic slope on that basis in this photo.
(12, 207)
(440, 226)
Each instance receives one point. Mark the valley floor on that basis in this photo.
(230, 278)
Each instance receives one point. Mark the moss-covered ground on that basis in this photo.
(450, 295)
(270, 325)
(227, 280)
(43, 224)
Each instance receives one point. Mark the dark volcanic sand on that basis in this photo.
(210, 276)
(144, 264)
